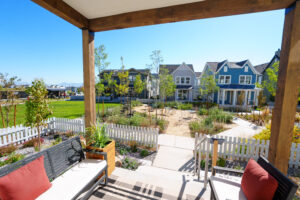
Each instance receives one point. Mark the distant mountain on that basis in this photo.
(64, 84)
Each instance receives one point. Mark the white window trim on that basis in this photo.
(224, 79)
(184, 80)
(246, 68)
(225, 68)
(245, 80)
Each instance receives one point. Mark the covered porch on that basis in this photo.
(94, 16)
(184, 93)
(238, 97)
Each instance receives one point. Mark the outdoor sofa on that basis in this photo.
(71, 175)
(226, 187)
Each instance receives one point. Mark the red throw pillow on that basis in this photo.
(27, 182)
(257, 183)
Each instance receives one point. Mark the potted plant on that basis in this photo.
(98, 140)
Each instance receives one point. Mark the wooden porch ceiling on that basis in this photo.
(175, 13)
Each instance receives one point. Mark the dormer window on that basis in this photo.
(225, 69)
(246, 69)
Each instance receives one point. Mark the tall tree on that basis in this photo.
(37, 107)
(138, 85)
(208, 85)
(123, 87)
(270, 83)
(8, 91)
(167, 86)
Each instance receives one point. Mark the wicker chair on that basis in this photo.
(285, 191)
(71, 174)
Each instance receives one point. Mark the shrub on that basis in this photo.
(194, 126)
(57, 141)
(12, 158)
(221, 162)
(218, 115)
(4, 151)
(266, 134)
(162, 124)
(129, 163)
(31, 143)
(137, 119)
(203, 111)
(186, 106)
(136, 103)
(123, 151)
(144, 153)
(133, 146)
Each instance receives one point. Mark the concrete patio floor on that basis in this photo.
(170, 176)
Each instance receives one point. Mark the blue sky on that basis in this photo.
(35, 43)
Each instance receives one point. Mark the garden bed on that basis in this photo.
(132, 156)
(13, 153)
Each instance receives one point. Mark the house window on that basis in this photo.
(225, 69)
(246, 69)
(224, 79)
(246, 80)
(182, 80)
(188, 80)
(177, 79)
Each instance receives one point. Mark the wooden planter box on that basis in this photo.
(110, 150)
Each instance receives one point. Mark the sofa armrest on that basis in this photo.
(228, 170)
(96, 152)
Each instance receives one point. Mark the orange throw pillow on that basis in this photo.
(27, 182)
(257, 183)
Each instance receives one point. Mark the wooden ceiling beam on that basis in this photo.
(184, 12)
(64, 11)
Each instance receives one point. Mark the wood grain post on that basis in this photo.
(89, 77)
(283, 116)
(215, 156)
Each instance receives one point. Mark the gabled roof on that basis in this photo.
(198, 74)
(215, 66)
(172, 67)
(260, 68)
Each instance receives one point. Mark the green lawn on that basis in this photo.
(63, 109)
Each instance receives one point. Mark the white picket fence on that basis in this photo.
(121, 133)
(142, 135)
(243, 149)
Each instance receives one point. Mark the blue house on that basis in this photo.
(236, 81)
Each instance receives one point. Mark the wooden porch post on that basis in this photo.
(283, 117)
(89, 77)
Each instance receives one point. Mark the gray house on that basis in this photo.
(186, 81)
(262, 70)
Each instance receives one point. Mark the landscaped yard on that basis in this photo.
(62, 109)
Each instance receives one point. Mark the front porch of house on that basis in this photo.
(238, 97)
(184, 94)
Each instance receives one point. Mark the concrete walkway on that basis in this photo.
(243, 129)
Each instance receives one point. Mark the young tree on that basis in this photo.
(208, 85)
(100, 59)
(138, 85)
(270, 84)
(99, 91)
(123, 87)
(101, 64)
(8, 89)
(167, 86)
(37, 107)
(156, 59)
